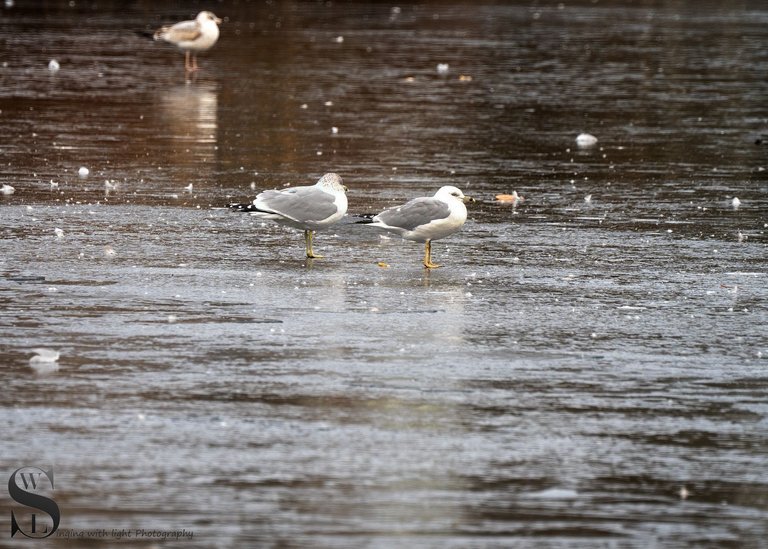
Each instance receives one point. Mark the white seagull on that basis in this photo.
(426, 219)
(44, 361)
(309, 208)
(192, 37)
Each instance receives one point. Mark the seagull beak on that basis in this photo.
(218, 21)
(468, 199)
(345, 188)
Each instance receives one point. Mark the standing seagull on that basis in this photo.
(426, 219)
(309, 208)
(192, 36)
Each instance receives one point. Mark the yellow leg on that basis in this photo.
(428, 256)
(308, 242)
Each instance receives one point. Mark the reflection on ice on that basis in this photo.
(188, 115)
(553, 493)
(190, 112)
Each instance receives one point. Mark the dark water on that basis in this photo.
(579, 373)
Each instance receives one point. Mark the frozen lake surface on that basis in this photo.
(589, 368)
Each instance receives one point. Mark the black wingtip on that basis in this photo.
(364, 219)
(236, 207)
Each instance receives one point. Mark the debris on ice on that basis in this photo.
(586, 140)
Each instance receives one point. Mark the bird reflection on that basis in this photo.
(188, 121)
(189, 113)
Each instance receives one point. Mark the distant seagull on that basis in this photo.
(426, 219)
(44, 355)
(7, 189)
(308, 208)
(44, 361)
(192, 37)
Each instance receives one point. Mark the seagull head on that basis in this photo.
(332, 182)
(449, 192)
(205, 16)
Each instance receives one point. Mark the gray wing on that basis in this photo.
(184, 31)
(417, 212)
(300, 204)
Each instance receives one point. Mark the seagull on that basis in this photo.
(426, 219)
(192, 36)
(44, 361)
(44, 355)
(309, 208)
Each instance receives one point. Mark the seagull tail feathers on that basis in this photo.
(160, 33)
(149, 35)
